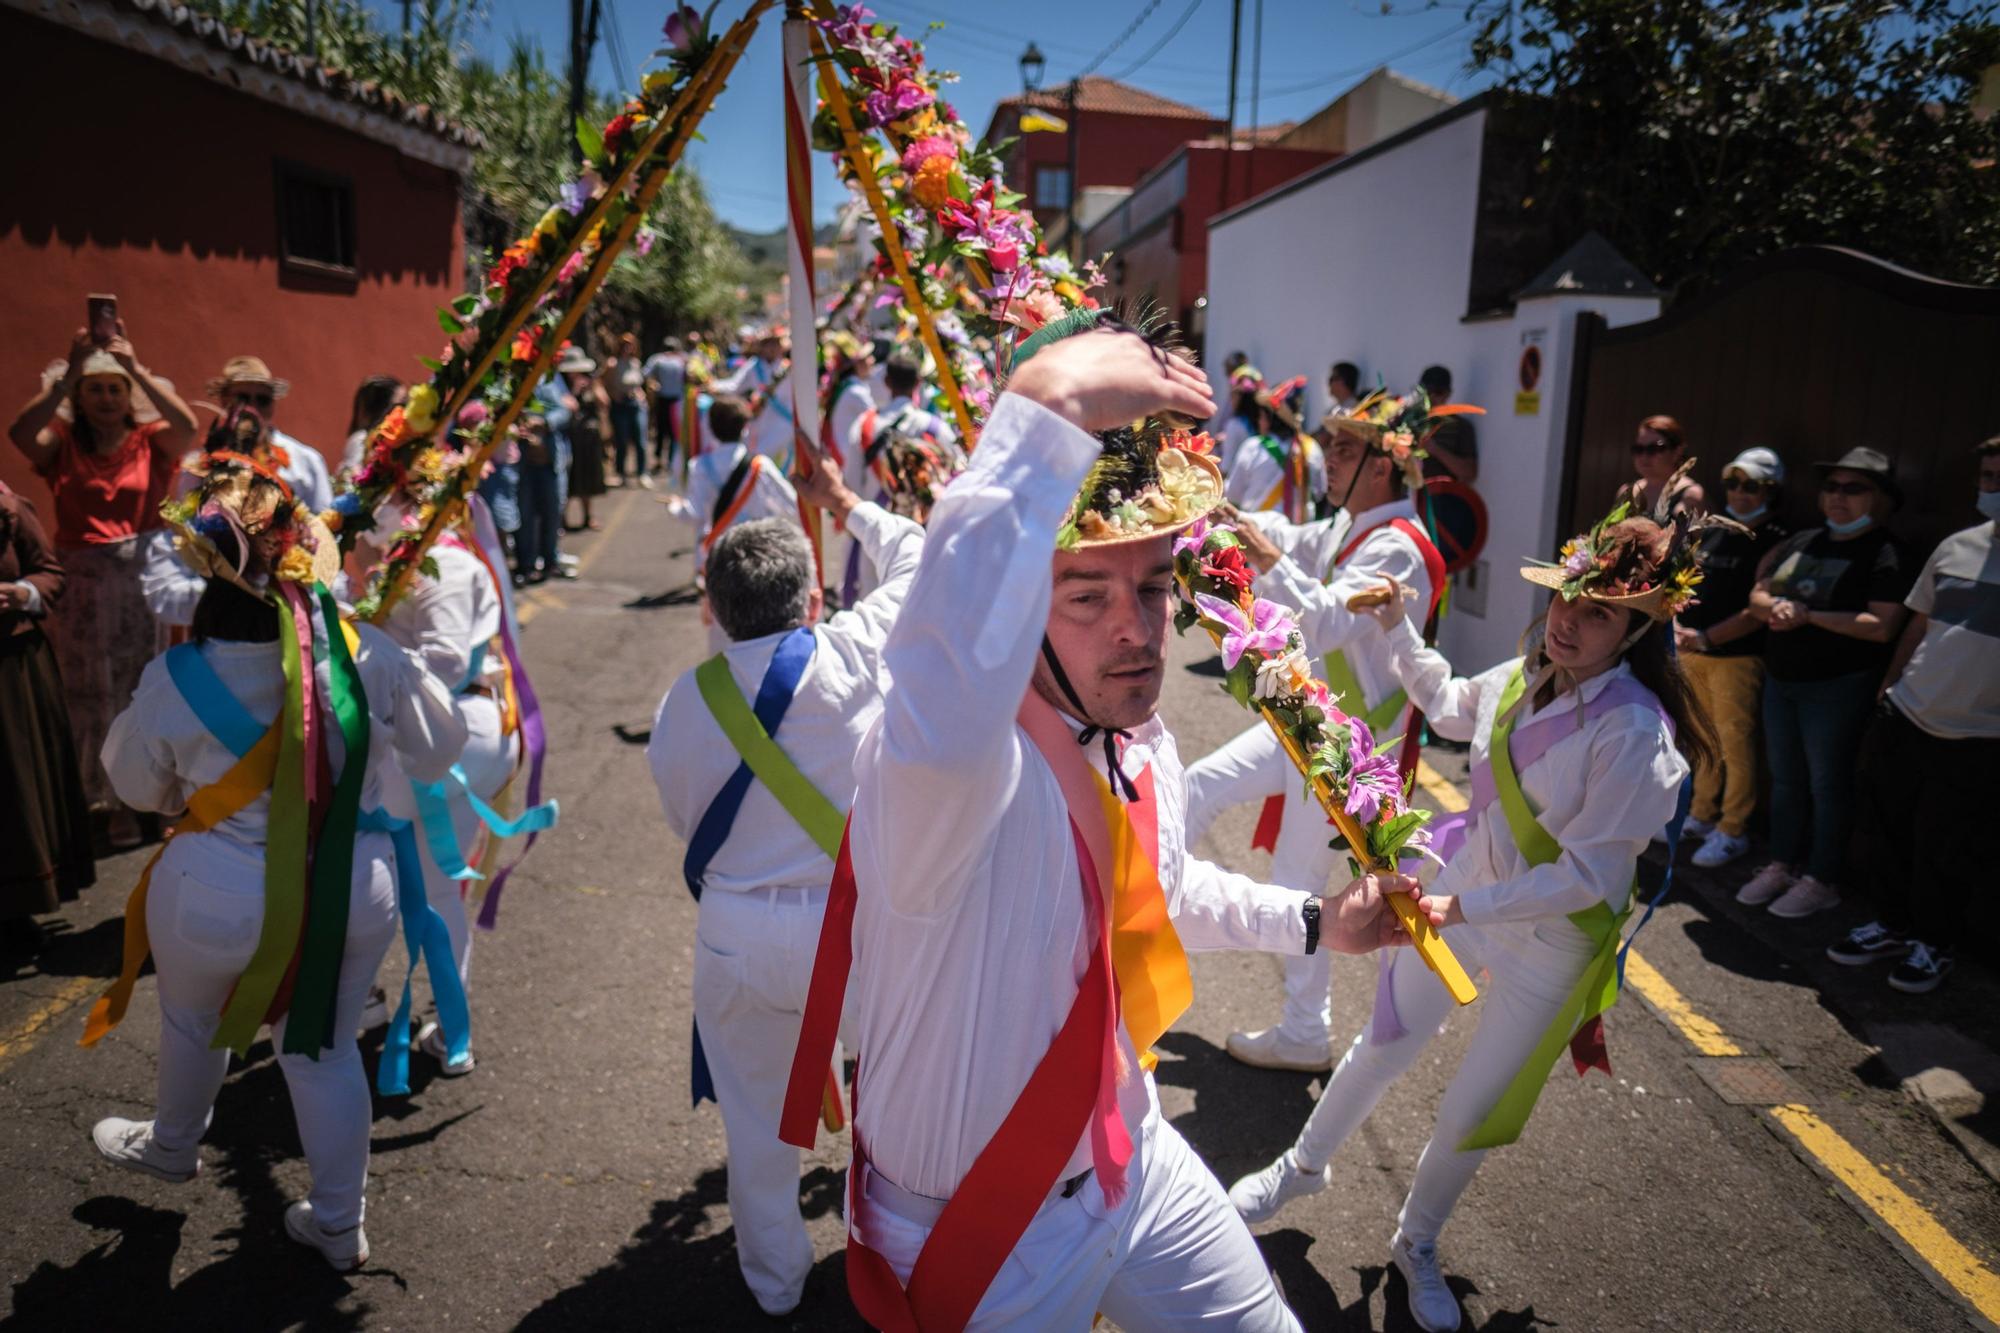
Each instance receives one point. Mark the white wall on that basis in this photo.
(1370, 264)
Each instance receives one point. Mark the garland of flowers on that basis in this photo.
(945, 200)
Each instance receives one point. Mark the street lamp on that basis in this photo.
(1032, 65)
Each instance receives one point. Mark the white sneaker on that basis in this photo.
(345, 1250)
(1272, 1049)
(430, 1040)
(1258, 1197)
(130, 1144)
(1695, 830)
(1765, 885)
(1432, 1305)
(1806, 896)
(1720, 849)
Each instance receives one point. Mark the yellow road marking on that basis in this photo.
(36, 1025)
(1671, 1005)
(530, 604)
(1903, 1215)
(1438, 787)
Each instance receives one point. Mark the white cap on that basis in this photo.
(1759, 464)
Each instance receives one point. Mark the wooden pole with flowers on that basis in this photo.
(799, 270)
(1354, 778)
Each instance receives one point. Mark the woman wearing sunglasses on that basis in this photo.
(1721, 645)
(1832, 599)
(1662, 488)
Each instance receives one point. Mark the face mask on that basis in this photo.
(1748, 515)
(1848, 529)
(1989, 504)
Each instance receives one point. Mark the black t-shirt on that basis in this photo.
(1728, 572)
(1828, 575)
(1454, 436)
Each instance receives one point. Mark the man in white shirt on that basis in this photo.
(759, 875)
(730, 483)
(1313, 569)
(1928, 761)
(1012, 1169)
(865, 469)
(1279, 467)
(246, 381)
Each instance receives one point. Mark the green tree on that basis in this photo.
(1697, 134)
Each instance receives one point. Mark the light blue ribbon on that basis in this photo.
(425, 936)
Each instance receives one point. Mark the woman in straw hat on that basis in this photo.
(280, 731)
(106, 435)
(1578, 754)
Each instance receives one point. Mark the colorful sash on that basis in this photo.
(1290, 492)
(719, 523)
(750, 730)
(1073, 1089)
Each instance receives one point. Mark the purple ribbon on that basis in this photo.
(1525, 745)
(533, 736)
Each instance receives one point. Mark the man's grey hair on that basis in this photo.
(760, 578)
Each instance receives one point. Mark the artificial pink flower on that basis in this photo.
(1265, 630)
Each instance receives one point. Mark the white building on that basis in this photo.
(1416, 251)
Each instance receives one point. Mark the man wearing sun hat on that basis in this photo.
(1018, 781)
(1280, 467)
(246, 381)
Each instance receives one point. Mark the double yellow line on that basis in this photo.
(1907, 1223)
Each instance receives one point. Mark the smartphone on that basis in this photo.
(102, 317)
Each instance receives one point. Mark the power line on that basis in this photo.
(1119, 40)
(1160, 45)
(617, 51)
(1334, 75)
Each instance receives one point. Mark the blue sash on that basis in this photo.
(423, 929)
(774, 696)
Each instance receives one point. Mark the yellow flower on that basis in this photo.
(1188, 485)
(550, 220)
(420, 413)
(296, 566)
(658, 83)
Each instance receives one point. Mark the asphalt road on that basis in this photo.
(567, 1184)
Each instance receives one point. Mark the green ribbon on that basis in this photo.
(820, 818)
(285, 845)
(310, 1025)
(1344, 684)
(1280, 455)
(1594, 992)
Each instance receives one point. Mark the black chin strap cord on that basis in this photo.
(1091, 731)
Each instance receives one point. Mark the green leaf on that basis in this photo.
(466, 304)
(590, 139)
(449, 322)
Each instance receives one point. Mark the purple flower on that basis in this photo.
(643, 242)
(1192, 539)
(684, 28)
(904, 97)
(1578, 562)
(1265, 630)
(576, 196)
(1374, 780)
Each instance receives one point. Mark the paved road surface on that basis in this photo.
(568, 1185)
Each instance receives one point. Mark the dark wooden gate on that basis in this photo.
(1810, 353)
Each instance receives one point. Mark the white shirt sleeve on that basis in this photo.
(1450, 704)
(429, 732)
(170, 588)
(1322, 607)
(1220, 909)
(673, 778)
(137, 756)
(894, 545)
(434, 620)
(938, 770)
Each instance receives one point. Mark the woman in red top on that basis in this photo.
(108, 472)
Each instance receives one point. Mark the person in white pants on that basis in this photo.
(978, 951)
(759, 876)
(205, 906)
(1313, 569)
(1597, 716)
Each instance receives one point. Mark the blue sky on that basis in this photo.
(1312, 51)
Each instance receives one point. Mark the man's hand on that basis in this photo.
(1104, 379)
(1358, 919)
(13, 597)
(1262, 553)
(824, 488)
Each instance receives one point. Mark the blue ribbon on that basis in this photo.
(425, 936)
(214, 706)
(774, 696)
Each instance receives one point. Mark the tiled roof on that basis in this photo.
(1096, 93)
(277, 60)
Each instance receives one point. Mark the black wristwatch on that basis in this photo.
(1310, 911)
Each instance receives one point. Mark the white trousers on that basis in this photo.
(203, 913)
(1532, 966)
(489, 760)
(1250, 769)
(1172, 1256)
(753, 962)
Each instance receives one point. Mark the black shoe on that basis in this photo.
(1868, 944)
(1922, 972)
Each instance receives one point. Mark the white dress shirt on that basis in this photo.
(1254, 476)
(969, 937)
(306, 472)
(1601, 791)
(849, 406)
(771, 495)
(443, 620)
(158, 753)
(837, 701)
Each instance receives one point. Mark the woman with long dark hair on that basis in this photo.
(1579, 749)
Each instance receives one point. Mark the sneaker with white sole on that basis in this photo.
(130, 1144)
(346, 1250)
(430, 1040)
(1765, 885)
(1922, 972)
(1259, 1196)
(1272, 1049)
(1868, 944)
(1719, 849)
(1806, 896)
(1694, 830)
(1432, 1305)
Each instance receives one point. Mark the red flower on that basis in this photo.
(617, 132)
(524, 345)
(1227, 566)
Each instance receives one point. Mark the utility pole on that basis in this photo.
(1256, 94)
(1229, 134)
(1071, 241)
(582, 40)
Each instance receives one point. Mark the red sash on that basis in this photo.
(1272, 817)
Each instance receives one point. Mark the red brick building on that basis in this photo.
(1121, 133)
(237, 198)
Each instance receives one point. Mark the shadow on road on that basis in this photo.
(1242, 1117)
(677, 1262)
(70, 953)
